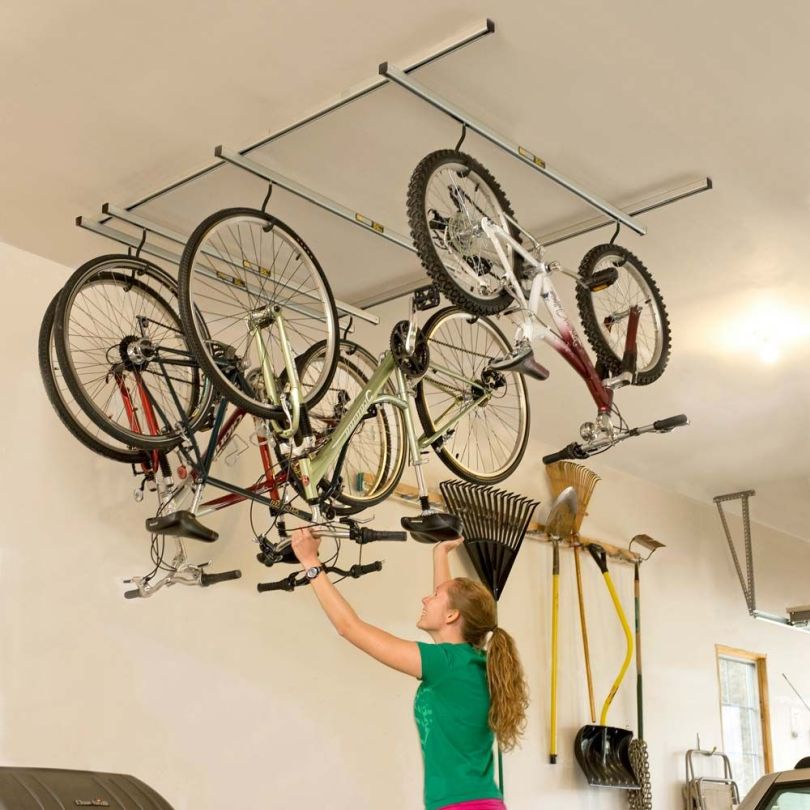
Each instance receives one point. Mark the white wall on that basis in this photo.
(223, 697)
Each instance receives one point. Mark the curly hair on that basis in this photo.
(509, 694)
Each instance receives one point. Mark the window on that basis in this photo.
(789, 798)
(744, 714)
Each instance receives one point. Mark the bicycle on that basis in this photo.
(468, 241)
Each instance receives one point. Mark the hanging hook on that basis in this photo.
(140, 246)
(463, 136)
(348, 328)
(267, 198)
(616, 232)
(135, 268)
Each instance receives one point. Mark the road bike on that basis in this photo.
(469, 242)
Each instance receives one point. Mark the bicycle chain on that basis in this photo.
(640, 760)
(458, 348)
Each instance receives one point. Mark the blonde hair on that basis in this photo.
(508, 691)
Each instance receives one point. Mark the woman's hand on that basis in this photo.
(448, 545)
(305, 547)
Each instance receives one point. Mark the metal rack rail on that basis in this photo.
(103, 224)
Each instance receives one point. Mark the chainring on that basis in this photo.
(412, 364)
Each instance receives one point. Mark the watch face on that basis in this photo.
(313, 572)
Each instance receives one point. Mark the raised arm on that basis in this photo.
(441, 560)
(390, 650)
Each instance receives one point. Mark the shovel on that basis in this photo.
(559, 525)
(603, 751)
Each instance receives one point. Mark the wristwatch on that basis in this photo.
(313, 572)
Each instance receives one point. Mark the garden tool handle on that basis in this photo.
(628, 634)
(599, 555)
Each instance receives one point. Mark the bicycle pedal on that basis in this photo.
(601, 279)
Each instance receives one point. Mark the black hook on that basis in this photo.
(463, 136)
(616, 232)
(135, 269)
(267, 198)
(348, 328)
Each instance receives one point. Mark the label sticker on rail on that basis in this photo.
(255, 268)
(525, 153)
(237, 282)
(369, 223)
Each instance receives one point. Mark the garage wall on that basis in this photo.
(224, 698)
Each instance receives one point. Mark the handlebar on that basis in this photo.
(293, 581)
(363, 535)
(579, 451)
(222, 576)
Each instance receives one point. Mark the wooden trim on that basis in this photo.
(537, 531)
(760, 660)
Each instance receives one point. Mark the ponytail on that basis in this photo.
(507, 684)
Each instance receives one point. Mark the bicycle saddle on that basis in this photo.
(181, 524)
(433, 528)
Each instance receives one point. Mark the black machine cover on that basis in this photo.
(55, 789)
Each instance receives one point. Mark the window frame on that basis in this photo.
(760, 660)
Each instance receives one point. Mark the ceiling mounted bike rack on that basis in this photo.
(798, 617)
(149, 231)
(125, 213)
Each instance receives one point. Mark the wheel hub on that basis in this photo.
(136, 352)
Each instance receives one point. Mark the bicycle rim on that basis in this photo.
(376, 451)
(242, 270)
(610, 307)
(488, 443)
(454, 194)
(70, 414)
(105, 309)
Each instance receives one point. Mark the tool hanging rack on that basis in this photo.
(152, 238)
(798, 617)
(535, 530)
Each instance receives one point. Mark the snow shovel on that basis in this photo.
(559, 525)
(603, 751)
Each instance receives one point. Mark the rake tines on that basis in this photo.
(495, 524)
(564, 474)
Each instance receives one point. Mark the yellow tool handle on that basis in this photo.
(555, 612)
(584, 628)
(629, 655)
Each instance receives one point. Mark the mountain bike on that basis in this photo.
(469, 242)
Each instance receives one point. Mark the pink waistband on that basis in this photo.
(477, 804)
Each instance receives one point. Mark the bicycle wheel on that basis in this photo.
(377, 450)
(242, 269)
(448, 196)
(69, 413)
(114, 320)
(604, 313)
(489, 441)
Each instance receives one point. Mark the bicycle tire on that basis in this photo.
(215, 263)
(472, 352)
(98, 271)
(389, 422)
(611, 355)
(423, 239)
(60, 399)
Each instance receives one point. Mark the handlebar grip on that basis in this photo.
(281, 585)
(671, 422)
(222, 576)
(370, 536)
(572, 450)
(132, 594)
(358, 570)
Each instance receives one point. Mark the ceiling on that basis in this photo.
(106, 102)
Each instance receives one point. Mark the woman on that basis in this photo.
(472, 691)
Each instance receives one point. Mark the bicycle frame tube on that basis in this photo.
(568, 343)
(314, 468)
(132, 415)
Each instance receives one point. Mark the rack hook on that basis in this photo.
(267, 198)
(616, 232)
(348, 328)
(463, 136)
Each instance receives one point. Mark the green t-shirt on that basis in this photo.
(451, 708)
